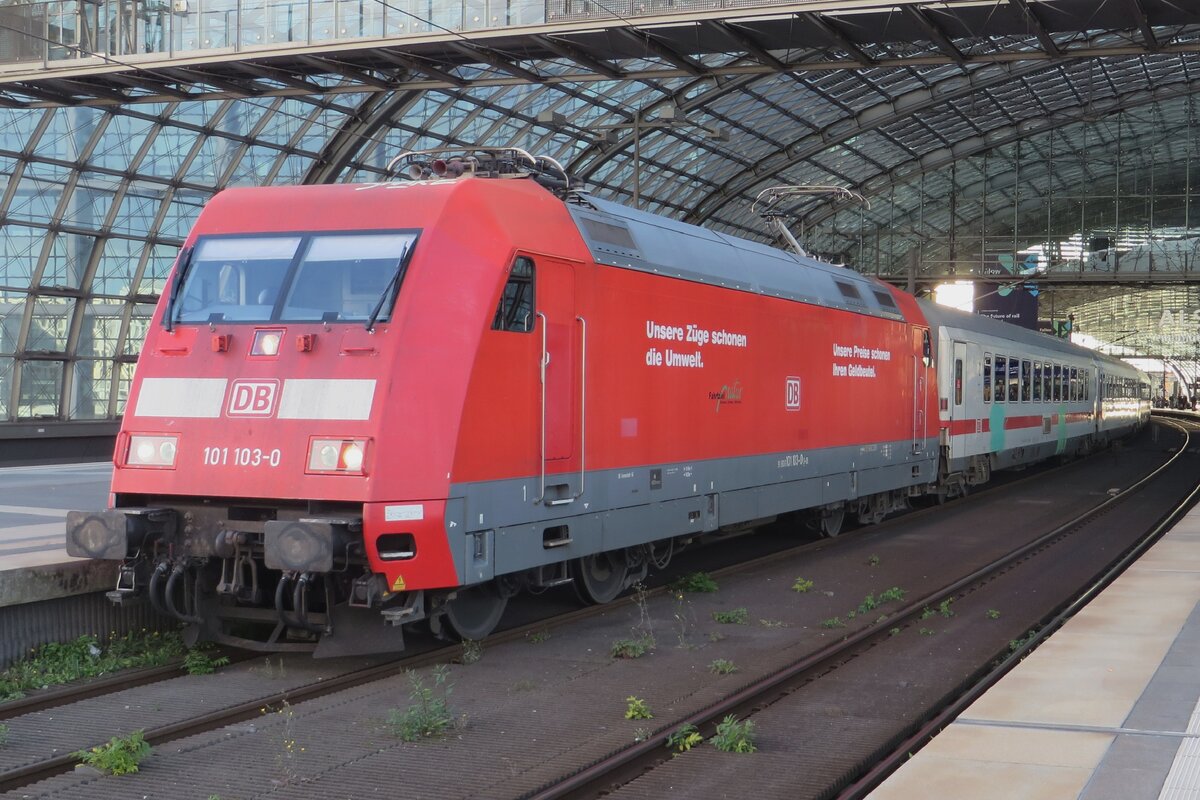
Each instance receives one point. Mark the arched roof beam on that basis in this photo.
(663, 51)
(1063, 117)
(423, 67)
(841, 131)
(1034, 207)
(936, 34)
(838, 39)
(489, 56)
(572, 53)
(1143, 22)
(1035, 25)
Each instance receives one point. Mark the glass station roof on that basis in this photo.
(1034, 135)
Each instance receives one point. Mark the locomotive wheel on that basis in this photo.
(831, 521)
(599, 578)
(475, 611)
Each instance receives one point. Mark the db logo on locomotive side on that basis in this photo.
(793, 394)
(252, 398)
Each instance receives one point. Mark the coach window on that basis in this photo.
(1001, 366)
(958, 378)
(987, 378)
(1057, 383)
(515, 312)
(1037, 381)
(1014, 380)
(1047, 379)
(1074, 384)
(1026, 374)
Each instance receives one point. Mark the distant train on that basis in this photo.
(362, 406)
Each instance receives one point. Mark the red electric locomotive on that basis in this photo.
(360, 406)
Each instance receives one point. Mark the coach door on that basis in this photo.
(563, 341)
(960, 420)
(922, 359)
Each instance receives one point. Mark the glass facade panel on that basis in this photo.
(40, 393)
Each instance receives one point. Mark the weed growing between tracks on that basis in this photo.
(698, 582)
(684, 739)
(736, 616)
(3, 734)
(429, 716)
(734, 736)
(643, 632)
(86, 657)
(802, 585)
(199, 661)
(472, 652)
(636, 708)
(121, 755)
(685, 620)
(722, 666)
(290, 749)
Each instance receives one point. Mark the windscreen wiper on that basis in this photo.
(185, 263)
(393, 282)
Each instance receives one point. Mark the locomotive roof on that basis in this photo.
(954, 318)
(624, 237)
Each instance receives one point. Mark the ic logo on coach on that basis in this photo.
(252, 398)
(793, 394)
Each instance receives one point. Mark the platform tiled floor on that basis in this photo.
(1106, 709)
(33, 509)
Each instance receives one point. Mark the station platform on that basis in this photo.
(1105, 709)
(34, 502)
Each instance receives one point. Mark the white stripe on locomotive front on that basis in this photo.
(326, 399)
(194, 398)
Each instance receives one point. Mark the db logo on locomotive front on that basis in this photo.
(252, 398)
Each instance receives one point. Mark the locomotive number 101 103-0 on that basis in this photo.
(241, 457)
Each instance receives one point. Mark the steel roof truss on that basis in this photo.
(573, 53)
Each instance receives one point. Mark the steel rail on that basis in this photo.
(598, 777)
(27, 774)
(904, 749)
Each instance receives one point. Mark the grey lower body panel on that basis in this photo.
(632, 506)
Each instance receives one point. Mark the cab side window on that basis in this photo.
(515, 312)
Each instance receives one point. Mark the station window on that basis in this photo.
(515, 312)
(1026, 374)
(987, 378)
(1037, 381)
(1001, 371)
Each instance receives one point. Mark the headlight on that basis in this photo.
(352, 456)
(151, 451)
(266, 343)
(344, 456)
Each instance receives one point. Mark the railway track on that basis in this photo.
(62, 698)
(252, 708)
(620, 768)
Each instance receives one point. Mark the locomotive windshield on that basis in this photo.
(330, 277)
